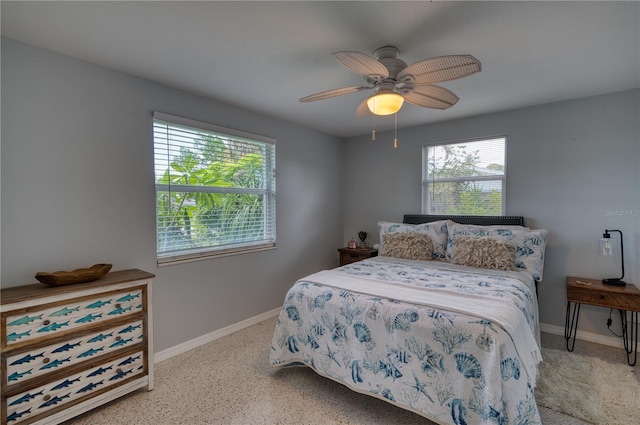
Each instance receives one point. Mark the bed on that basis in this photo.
(444, 322)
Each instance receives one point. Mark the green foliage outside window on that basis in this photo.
(213, 193)
(456, 183)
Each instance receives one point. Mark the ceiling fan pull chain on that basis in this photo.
(373, 132)
(395, 132)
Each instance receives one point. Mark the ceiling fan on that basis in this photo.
(393, 81)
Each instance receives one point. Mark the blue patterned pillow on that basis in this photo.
(436, 230)
(529, 244)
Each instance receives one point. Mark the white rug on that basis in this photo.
(588, 388)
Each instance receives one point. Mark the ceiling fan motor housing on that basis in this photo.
(388, 56)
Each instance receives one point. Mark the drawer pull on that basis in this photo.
(119, 371)
(46, 360)
(602, 297)
(47, 397)
(353, 255)
(46, 322)
(118, 338)
(118, 305)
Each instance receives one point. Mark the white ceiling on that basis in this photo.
(263, 56)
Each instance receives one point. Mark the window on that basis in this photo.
(464, 177)
(215, 190)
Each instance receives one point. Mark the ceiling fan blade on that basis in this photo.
(361, 64)
(442, 68)
(333, 93)
(431, 96)
(363, 110)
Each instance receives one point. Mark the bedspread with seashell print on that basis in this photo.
(451, 367)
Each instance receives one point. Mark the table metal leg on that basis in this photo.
(571, 325)
(630, 335)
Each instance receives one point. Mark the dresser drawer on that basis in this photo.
(39, 361)
(51, 320)
(57, 395)
(352, 255)
(608, 298)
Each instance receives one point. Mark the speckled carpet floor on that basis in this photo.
(229, 381)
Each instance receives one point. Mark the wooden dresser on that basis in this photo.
(68, 349)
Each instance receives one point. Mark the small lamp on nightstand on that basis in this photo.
(608, 250)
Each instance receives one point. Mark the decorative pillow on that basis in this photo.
(436, 230)
(410, 245)
(529, 244)
(484, 252)
(478, 227)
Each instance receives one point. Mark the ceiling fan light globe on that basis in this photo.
(385, 103)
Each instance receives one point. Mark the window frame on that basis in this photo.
(426, 181)
(268, 192)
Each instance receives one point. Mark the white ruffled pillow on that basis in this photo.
(529, 244)
(436, 230)
(483, 252)
(410, 245)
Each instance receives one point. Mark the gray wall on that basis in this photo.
(78, 189)
(572, 167)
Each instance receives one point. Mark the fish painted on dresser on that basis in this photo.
(129, 328)
(25, 398)
(25, 320)
(17, 375)
(18, 415)
(90, 352)
(98, 304)
(89, 387)
(64, 384)
(100, 337)
(121, 374)
(64, 312)
(89, 318)
(121, 342)
(26, 359)
(128, 297)
(119, 310)
(16, 336)
(65, 347)
(99, 371)
(53, 327)
(129, 360)
(55, 363)
(55, 400)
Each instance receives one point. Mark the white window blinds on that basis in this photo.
(215, 190)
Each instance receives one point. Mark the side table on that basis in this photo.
(626, 299)
(351, 255)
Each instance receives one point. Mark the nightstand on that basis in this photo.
(626, 299)
(351, 255)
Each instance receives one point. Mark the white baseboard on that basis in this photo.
(205, 339)
(584, 336)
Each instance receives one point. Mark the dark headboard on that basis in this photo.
(483, 220)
